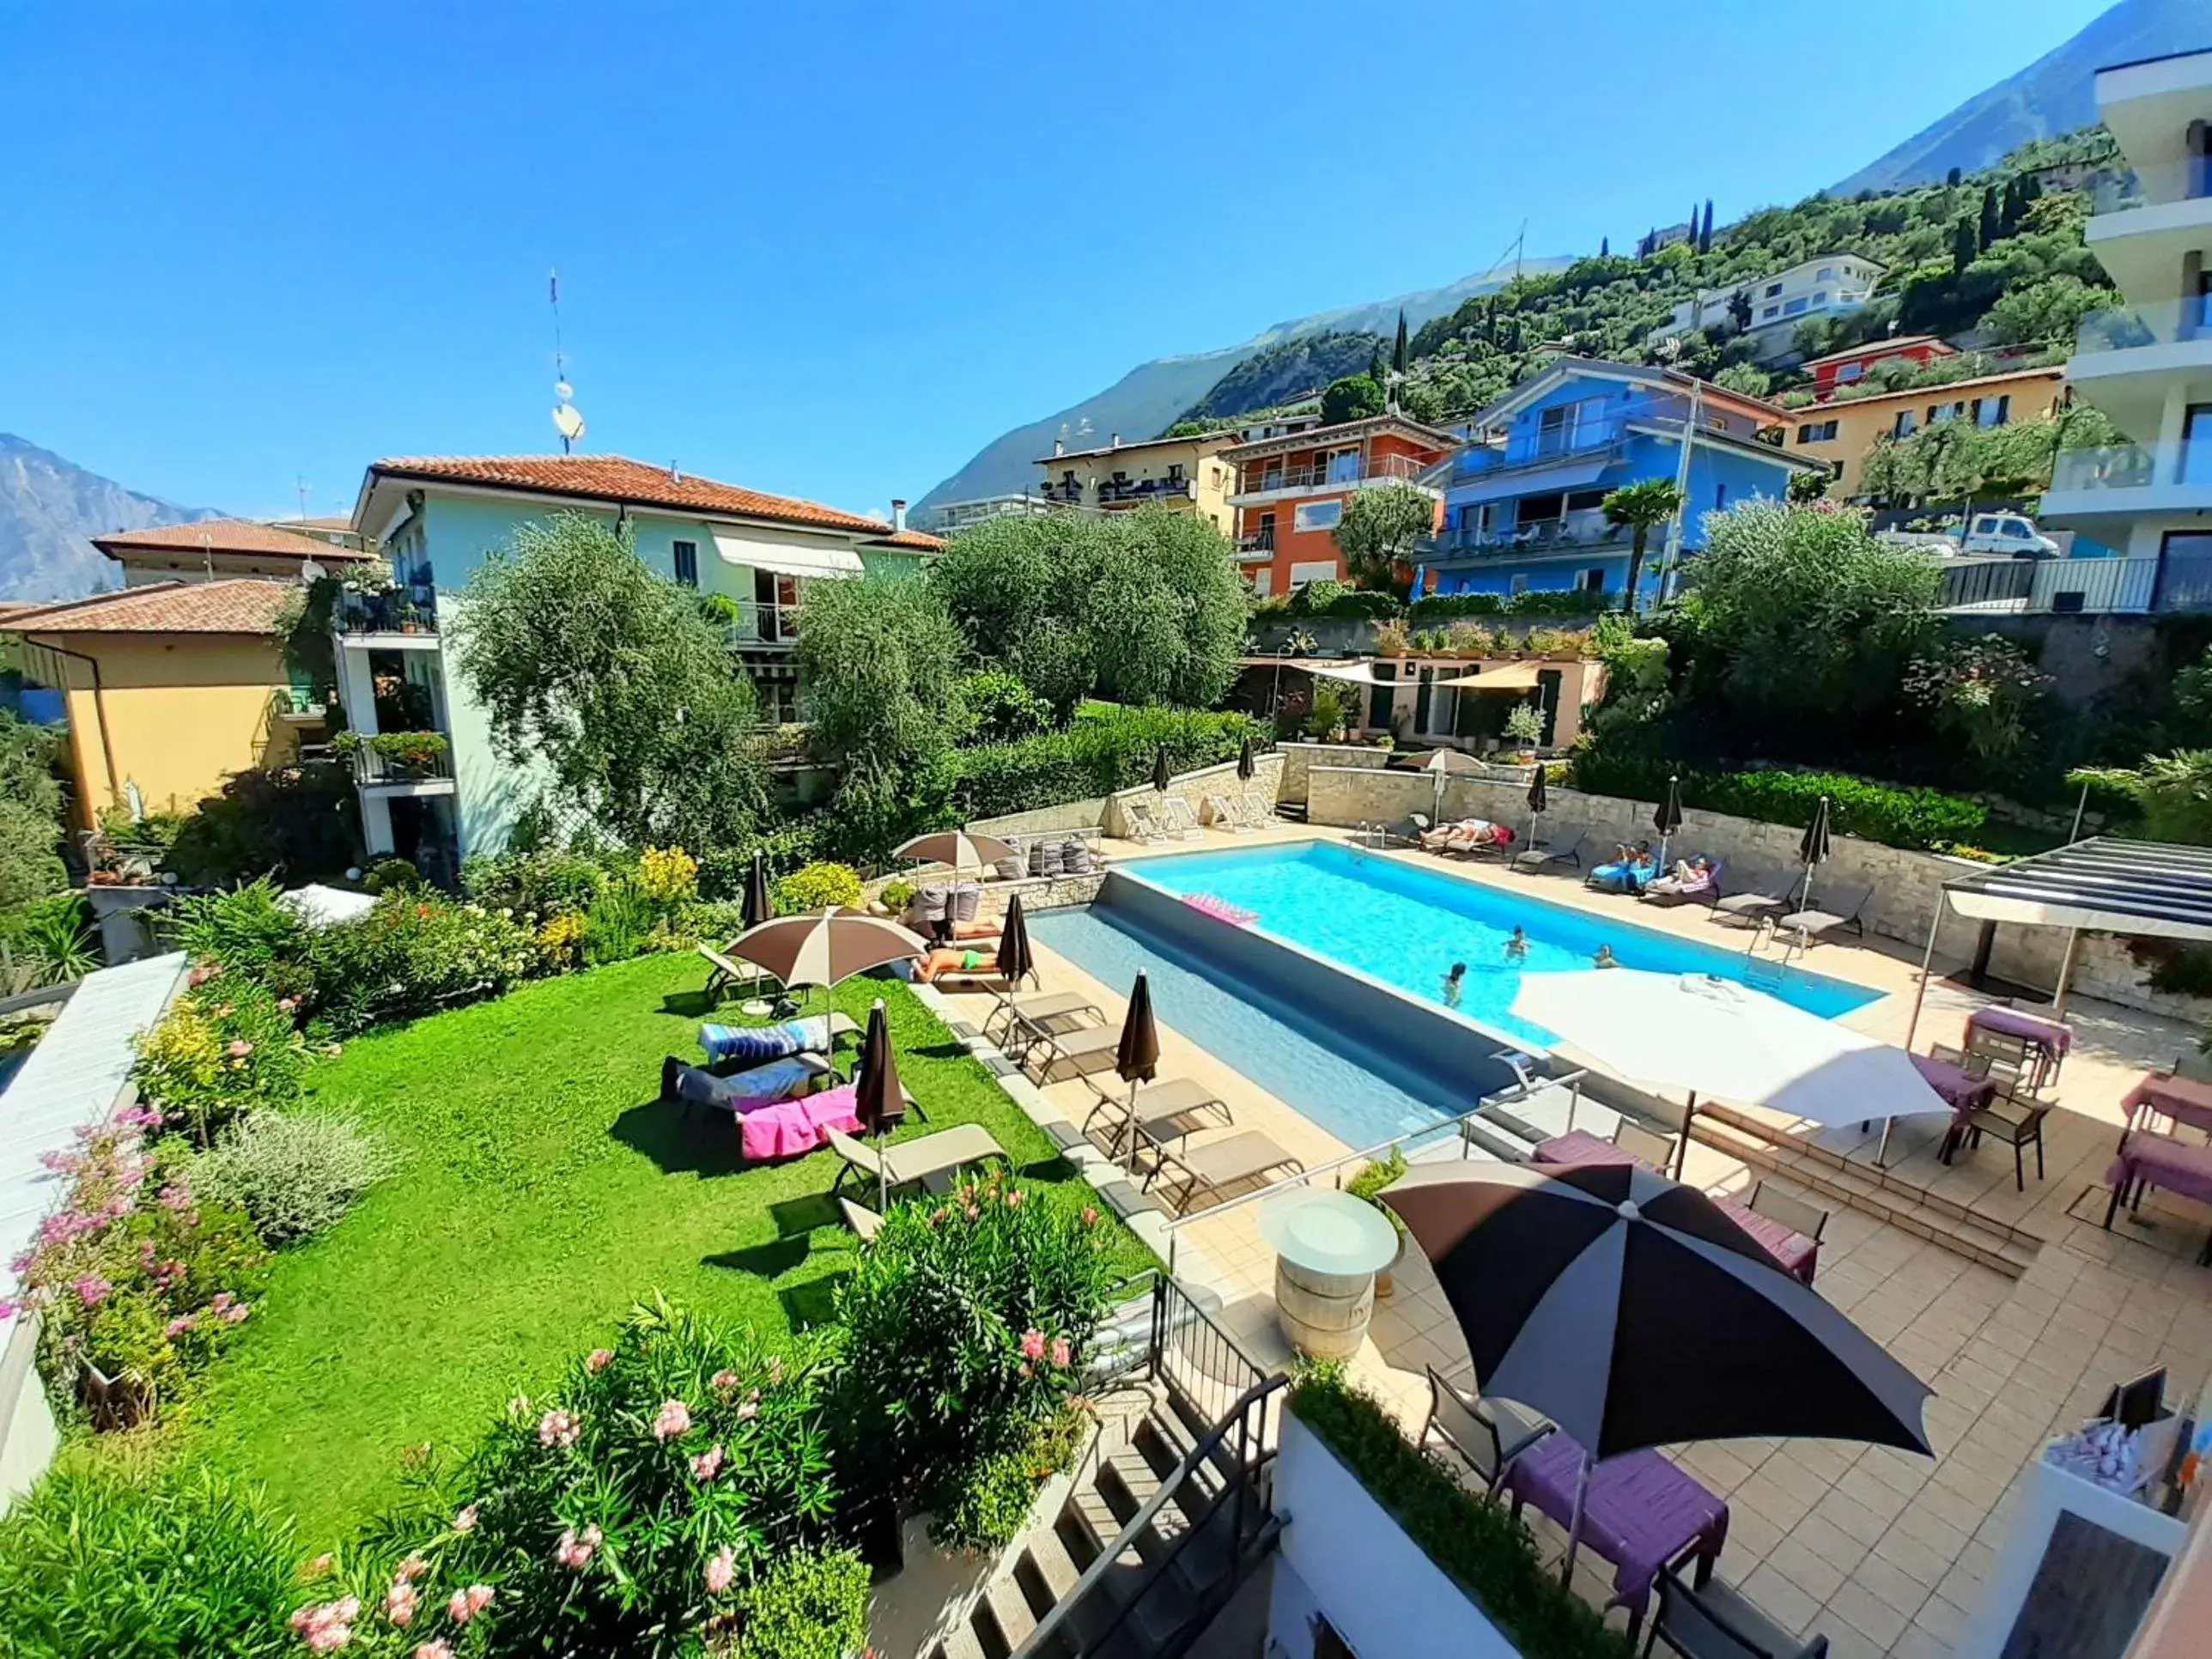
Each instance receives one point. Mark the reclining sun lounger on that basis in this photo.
(1086, 1049)
(1051, 1010)
(927, 1157)
(1757, 904)
(1846, 909)
(1141, 824)
(1254, 809)
(1218, 1164)
(1178, 820)
(1704, 884)
(1221, 812)
(1166, 1110)
(1540, 856)
(728, 974)
(744, 1091)
(864, 1223)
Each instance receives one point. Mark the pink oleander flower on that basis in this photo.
(327, 1626)
(1014, 1199)
(599, 1359)
(1061, 1353)
(466, 1519)
(674, 1418)
(413, 1567)
(576, 1549)
(181, 1324)
(321, 1564)
(466, 1604)
(92, 1289)
(220, 1300)
(236, 1314)
(1032, 1344)
(174, 1197)
(558, 1428)
(237, 1048)
(399, 1603)
(288, 1004)
(721, 1571)
(1090, 1216)
(724, 1381)
(749, 1410)
(439, 1649)
(707, 1464)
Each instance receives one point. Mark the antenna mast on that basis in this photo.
(566, 419)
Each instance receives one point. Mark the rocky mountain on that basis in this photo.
(2054, 95)
(1283, 372)
(1146, 400)
(49, 508)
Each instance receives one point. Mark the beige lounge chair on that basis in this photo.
(1259, 809)
(1142, 826)
(926, 1157)
(727, 972)
(1170, 1109)
(1178, 820)
(1053, 1011)
(1086, 1049)
(1846, 910)
(864, 1223)
(1214, 1166)
(1221, 812)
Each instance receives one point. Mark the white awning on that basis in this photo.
(2103, 884)
(787, 558)
(1506, 676)
(1360, 673)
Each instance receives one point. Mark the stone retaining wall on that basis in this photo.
(1046, 820)
(1195, 786)
(1299, 758)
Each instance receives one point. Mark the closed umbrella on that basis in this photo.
(824, 947)
(1668, 819)
(1813, 849)
(878, 1100)
(1137, 1058)
(1246, 766)
(1016, 963)
(1633, 1313)
(1161, 775)
(961, 849)
(758, 908)
(1537, 802)
(1716, 1037)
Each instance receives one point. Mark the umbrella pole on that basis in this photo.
(1574, 1526)
(1682, 1153)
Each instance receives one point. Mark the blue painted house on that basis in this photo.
(1522, 498)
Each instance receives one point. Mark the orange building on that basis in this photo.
(1290, 492)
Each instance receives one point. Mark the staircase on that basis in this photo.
(1167, 1519)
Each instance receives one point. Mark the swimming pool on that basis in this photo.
(1405, 926)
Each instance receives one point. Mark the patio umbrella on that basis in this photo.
(1717, 1037)
(758, 909)
(878, 1100)
(1441, 765)
(1668, 819)
(1246, 766)
(1015, 962)
(1161, 775)
(1138, 1057)
(1537, 802)
(1633, 1313)
(825, 947)
(1813, 849)
(959, 848)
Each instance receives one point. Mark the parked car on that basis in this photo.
(2003, 535)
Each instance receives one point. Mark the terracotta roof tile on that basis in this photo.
(920, 540)
(223, 536)
(613, 479)
(243, 605)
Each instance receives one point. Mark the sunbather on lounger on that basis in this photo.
(1442, 838)
(956, 960)
(1626, 874)
(1689, 877)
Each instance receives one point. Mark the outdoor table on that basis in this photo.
(1966, 1091)
(2052, 1038)
(1795, 1254)
(1640, 1512)
(2174, 1098)
(2155, 1160)
(1328, 1247)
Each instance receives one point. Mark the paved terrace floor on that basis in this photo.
(1882, 1552)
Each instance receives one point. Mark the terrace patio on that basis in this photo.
(2017, 1307)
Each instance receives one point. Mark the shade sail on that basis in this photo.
(1506, 676)
(785, 558)
(1361, 672)
(2137, 887)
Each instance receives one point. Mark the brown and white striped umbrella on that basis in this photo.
(823, 947)
(956, 848)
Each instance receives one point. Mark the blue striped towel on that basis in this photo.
(753, 1044)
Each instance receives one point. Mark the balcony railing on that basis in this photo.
(402, 757)
(1255, 547)
(1132, 492)
(2174, 583)
(399, 611)
(2122, 188)
(1322, 475)
(762, 627)
(2133, 467)
(1568, 537)
(2124, 328)
(1069, 494)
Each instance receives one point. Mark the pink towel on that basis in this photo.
(791, 1127)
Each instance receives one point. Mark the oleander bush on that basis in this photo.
(182, 1565)
(227, 1045)
(292, 1173)
(412, 953)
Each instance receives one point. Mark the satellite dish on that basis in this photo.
(310, 572)
(567, 423)
(563, 390)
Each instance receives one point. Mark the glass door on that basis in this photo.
(2196, 444)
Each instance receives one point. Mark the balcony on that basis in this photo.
(409, 763)
(388, 618)
(759, 627)
(2125, 359)
(2125, 189)
(2131, 479)
(1552, 539)
(2179, 584)
(1254, 549)
(1067, 493)
(1269, 479)
(1135, 492)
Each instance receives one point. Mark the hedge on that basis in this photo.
(1105, 750)
(1895, 815)
(1536, 602)
(1480, 1546)
(1330, 598)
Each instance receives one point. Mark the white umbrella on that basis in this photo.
(1440, 766)
(1716, 1037)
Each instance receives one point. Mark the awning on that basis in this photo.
(1573, 475)
(2151, 889)
(785, 558)
(1507, 677)
(1359, 673)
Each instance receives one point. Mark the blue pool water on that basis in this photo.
(1406, 927)
(1361, 1097)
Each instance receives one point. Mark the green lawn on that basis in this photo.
(542, 1189)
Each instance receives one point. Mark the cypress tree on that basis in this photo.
(1964, 245)
(1398, 351)
(1705, 231)
(1986, 231)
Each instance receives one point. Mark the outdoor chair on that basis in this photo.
(1142, 826)
(1222, 815)
(1178, 820)
(1538, 855)
(1756, 904)
(1645, 1145)
(1712, 1621)
(1214, 1167)
(1171, 1108)
(864, 1223)
(933, 1156)
(1014, 1014)
(1807, 1220)
(1086, 1049)
(1258, 811)
(1486, 1434)
(1846, 910)
(2016, 1121)
(728, 974)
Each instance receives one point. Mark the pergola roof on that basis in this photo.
(2150, 889)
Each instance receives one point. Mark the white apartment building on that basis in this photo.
(1827, 284)
(2148, 364)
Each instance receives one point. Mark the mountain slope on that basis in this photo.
(2055, 93)
(1144, 402)
(49, 506)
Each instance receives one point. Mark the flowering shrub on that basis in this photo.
(98, 1561)
(560, 940)
(134, 1277)
(246, 930)
(667, 876)
(292, 1173)
(545, 883)
(817, 887)
(966, 1321)
(414, 952)
(663, 1484)
(227, 1045)
(988, 1511)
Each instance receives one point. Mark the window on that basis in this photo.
(1175, 472)
(1267, 529)
(1825, 273)
(1582, 500)
(1261, 578)
(1720, 496)
(1317, 515)
(687, 562)
(1992, 411)
(1315, 570)
(1541, 509)
(1902, 426)
(1517, 582)
(1939, 413)
(1343, 466)
(1771, 312)
(1848, 373)
(1821, 297)
(1791, 307)
(1816, 432)
(1772, 289)
(1592, 580)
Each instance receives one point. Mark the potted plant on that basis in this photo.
(1524, 728)
(1368, 1184)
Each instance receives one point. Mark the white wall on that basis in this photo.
(1343, 1559)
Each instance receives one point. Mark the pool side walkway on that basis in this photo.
(1882, 1552)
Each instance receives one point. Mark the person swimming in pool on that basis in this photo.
(1605, 958)
(1452, 984)
(1518, 946)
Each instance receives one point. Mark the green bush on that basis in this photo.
(897, 895)
(806, 1604)
(620, 924)
(722, 870)
(413, 952)
(1329, 598)
(292, 1173)
(989, 1509)
(550, 882)
(1107, 748)
(967, 1323)
(1536, 602)
(634, 1510)
(181, 1566)
(1893, 814)
(303, 821)
(1481, 1546)
(227, 1046)
(247, 930)
(817, 887)
(391, 876)
(48, 941)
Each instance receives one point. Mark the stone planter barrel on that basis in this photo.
(1327, 1247)
(1325, 1316)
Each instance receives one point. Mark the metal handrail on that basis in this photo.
(1235, 1418)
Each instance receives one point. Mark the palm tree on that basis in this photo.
(1636, 507)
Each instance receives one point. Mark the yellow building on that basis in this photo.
(1842, 430)
(169, 688)
(1185, 474)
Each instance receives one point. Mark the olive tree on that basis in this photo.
(1381, 527)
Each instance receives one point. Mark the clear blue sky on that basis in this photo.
(831, 249)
